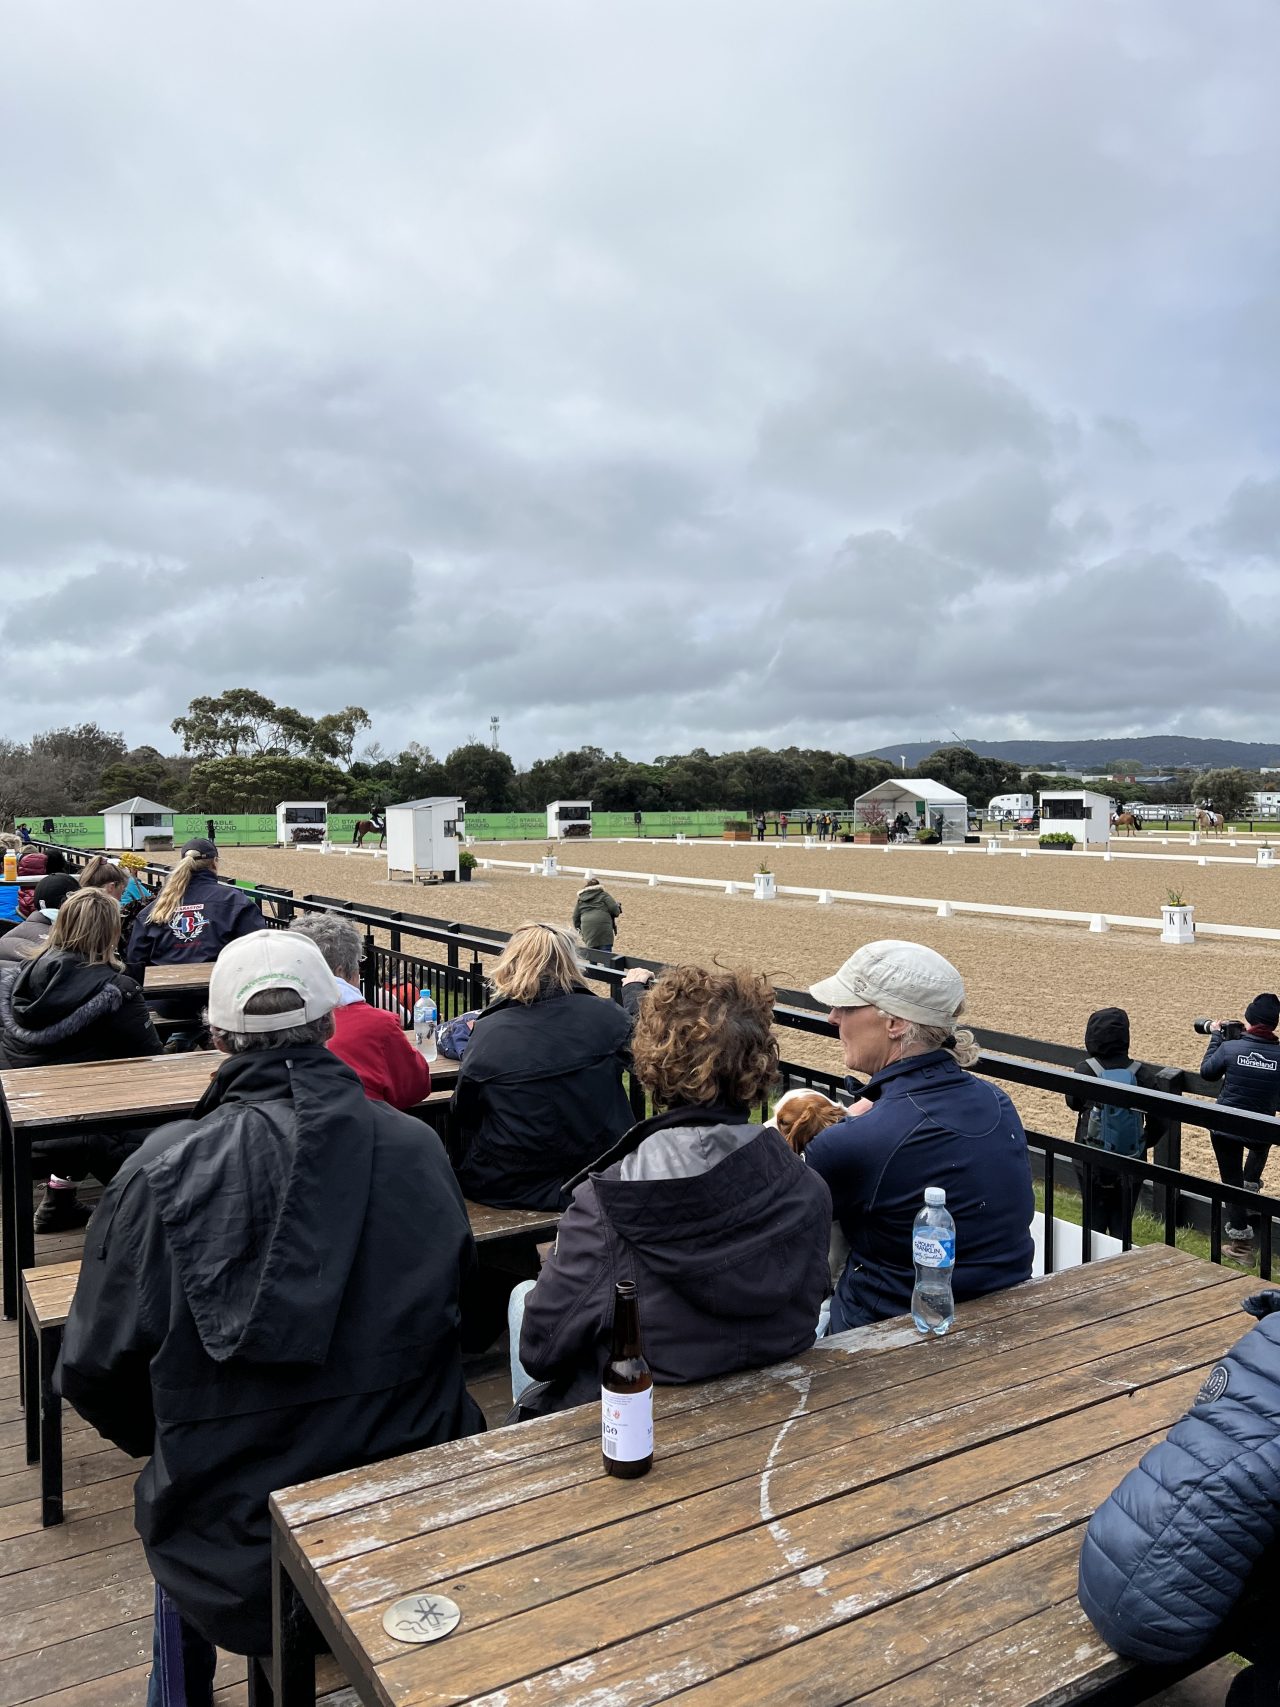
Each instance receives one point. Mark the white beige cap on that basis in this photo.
(269, 960)
(905, 979)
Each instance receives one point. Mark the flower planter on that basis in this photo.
(1177, 924)
(549, 866)
(867, 838)
(1266, 856)
(464, 874)
(737, 836)
(766, 888)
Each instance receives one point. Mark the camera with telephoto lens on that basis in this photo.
(1229, 1030)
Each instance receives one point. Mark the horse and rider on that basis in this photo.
(374, 824)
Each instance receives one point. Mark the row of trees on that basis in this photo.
(243, 753)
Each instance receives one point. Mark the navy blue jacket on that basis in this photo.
(933, 1124)
(1249, 1067)
(212, 914)
(1167, 1555)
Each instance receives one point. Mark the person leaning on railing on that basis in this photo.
(1249, 1067)
(895, 1006)
(1122, 1131)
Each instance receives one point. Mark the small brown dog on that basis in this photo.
(801, 1114)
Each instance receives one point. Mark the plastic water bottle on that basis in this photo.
(933, 1249)
(424, 1025)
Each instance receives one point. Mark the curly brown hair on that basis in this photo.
(706, 1037)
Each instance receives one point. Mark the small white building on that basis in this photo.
(929, 805)
(567, 818)
(301, 821)
(130, 825)
(1079, 810)
(1266, 803)
(1011, 806)
(425, 836)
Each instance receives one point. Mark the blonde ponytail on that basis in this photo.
(171, 897)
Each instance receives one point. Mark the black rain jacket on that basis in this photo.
(539, 1096)
(59, 1009)
(1249, 1068)
(269, 1293)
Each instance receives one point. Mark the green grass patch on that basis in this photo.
(1147, 1229)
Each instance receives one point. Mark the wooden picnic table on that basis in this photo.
(134, 1091)
(884, 1519)
(183, 980)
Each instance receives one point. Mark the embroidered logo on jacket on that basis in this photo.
(1253, 1059)
(1215, 1384)
(188, 922)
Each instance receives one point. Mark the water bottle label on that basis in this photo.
(934, 1250)
(627, 1424)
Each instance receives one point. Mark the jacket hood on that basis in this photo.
(56, 996)
(591, 892)
(263, 1200)
(1107, 1034)
(680, 1223)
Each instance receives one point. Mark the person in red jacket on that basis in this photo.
(370, 1040)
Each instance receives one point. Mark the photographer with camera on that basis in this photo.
(1247, 1059)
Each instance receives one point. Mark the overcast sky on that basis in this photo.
(647, 375)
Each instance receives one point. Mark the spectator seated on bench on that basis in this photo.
(723, 1228)
(895, 1005)
(72, 1002)
(539, 1092)
(370, 1040)
(208, 1335)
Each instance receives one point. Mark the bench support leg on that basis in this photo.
(28, 1357)
(293, 1662)
(50, 1429)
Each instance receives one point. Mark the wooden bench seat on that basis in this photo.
(46, 1301)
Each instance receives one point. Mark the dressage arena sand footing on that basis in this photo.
(1037, 979)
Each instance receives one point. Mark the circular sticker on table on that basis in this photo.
(421, 1618)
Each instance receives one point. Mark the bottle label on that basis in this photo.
(931, 1249)
(627, 1424)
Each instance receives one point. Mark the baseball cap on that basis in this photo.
(201, 846)
(52, 891)
(905, 979)
(269, 960)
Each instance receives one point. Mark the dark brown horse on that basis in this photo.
(367, 827)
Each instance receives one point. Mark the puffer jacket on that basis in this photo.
(1167, 1554)
(724, 1231)
(1249, 1067)
(58, 1009)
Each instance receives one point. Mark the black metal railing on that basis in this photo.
(397, 969)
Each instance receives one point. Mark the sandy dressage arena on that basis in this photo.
(1040, 979)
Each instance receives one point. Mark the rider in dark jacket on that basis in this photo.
(270, 1294)
(1249, 1067)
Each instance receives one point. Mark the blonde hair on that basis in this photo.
(86, 924)
(100, 872)
(539, 960)
(960, 1044)
(169, 900)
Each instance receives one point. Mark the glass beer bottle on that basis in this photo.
(626, 1393)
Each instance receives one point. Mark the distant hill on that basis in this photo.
(1154, 752)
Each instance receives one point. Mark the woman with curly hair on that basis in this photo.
(723, 1229)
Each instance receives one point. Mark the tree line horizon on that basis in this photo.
(243, 753)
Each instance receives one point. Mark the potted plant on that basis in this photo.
(466, 865)
(1177, 918)
(550, 866)
(1058, 841)
(766, 884)
(871, 826)
(928, 837)
(737, 830)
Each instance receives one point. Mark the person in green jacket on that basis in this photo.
(594, 913)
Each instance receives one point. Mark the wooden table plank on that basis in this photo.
(717, 1432)
(1162, 1270)
(785, 1507)
(192, 978)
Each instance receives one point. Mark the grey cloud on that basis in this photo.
(1249, 525)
